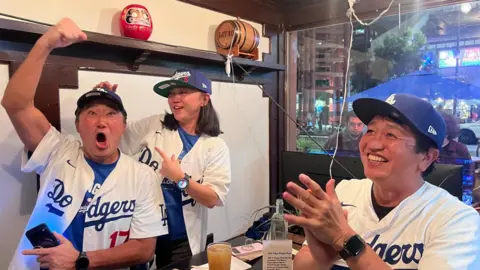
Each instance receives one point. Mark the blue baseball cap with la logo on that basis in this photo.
(184, 78)
(413, 111)
(100, 94)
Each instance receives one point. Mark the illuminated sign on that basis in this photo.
(467, 57)
(471, 57)
(446, 59)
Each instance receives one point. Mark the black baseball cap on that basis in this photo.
(100, 93)
(413, 111)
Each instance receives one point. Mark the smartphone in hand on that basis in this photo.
(41, 237)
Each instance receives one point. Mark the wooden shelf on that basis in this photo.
(138, 51)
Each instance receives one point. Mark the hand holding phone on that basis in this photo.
(41, 237)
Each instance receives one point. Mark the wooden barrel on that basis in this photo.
(247, 37)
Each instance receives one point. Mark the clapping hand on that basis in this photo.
(322, 253)
(322, 213)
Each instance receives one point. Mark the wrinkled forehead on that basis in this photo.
(99, 103)
(183, 89)
(388, 123)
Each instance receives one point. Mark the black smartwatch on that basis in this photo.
(82, 261)
(352, 247)
(183, 183)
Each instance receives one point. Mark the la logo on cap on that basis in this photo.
(101, 90)
(179, 75)
(391, 99)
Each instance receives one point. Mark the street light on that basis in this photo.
(465, 7)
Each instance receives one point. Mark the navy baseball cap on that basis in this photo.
(413, 111)
(100, 93)
(185, 78)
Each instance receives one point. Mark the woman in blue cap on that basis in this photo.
(193, 163)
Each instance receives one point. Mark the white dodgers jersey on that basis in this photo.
(126, 206)
(430, 229)
(208, 163)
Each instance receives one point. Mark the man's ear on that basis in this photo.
(428, 158)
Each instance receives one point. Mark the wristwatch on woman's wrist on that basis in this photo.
(183, 183)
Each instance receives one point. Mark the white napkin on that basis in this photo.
(236, 264)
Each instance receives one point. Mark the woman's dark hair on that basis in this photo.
(208, 122)
(452, 124)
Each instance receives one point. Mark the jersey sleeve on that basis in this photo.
(455, 244)
(217, 175)
(133, 139)
(148, 218)
(53, 146)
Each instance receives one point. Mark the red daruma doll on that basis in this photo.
(136, 22)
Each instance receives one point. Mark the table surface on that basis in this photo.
(202, 258)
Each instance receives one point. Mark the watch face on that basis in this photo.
(355, 245)
(182, 183)
(82, 263)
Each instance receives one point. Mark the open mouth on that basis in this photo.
(101, 140)
(376, 158)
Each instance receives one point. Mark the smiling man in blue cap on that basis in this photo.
(393, 219)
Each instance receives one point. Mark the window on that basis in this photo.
(443, 43)
(322, 83)
(322, 69)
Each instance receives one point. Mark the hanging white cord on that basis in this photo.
(344, 96)
(350, 13)
(229, 63)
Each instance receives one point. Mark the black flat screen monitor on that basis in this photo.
(316, 166)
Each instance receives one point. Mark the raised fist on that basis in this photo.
(63, 34)
(107, 86)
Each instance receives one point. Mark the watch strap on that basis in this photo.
(344, 254)
(82, 261)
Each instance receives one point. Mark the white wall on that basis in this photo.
(242, 109)
(18, 190)
(174, 22)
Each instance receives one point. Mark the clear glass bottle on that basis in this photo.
(278, 225)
